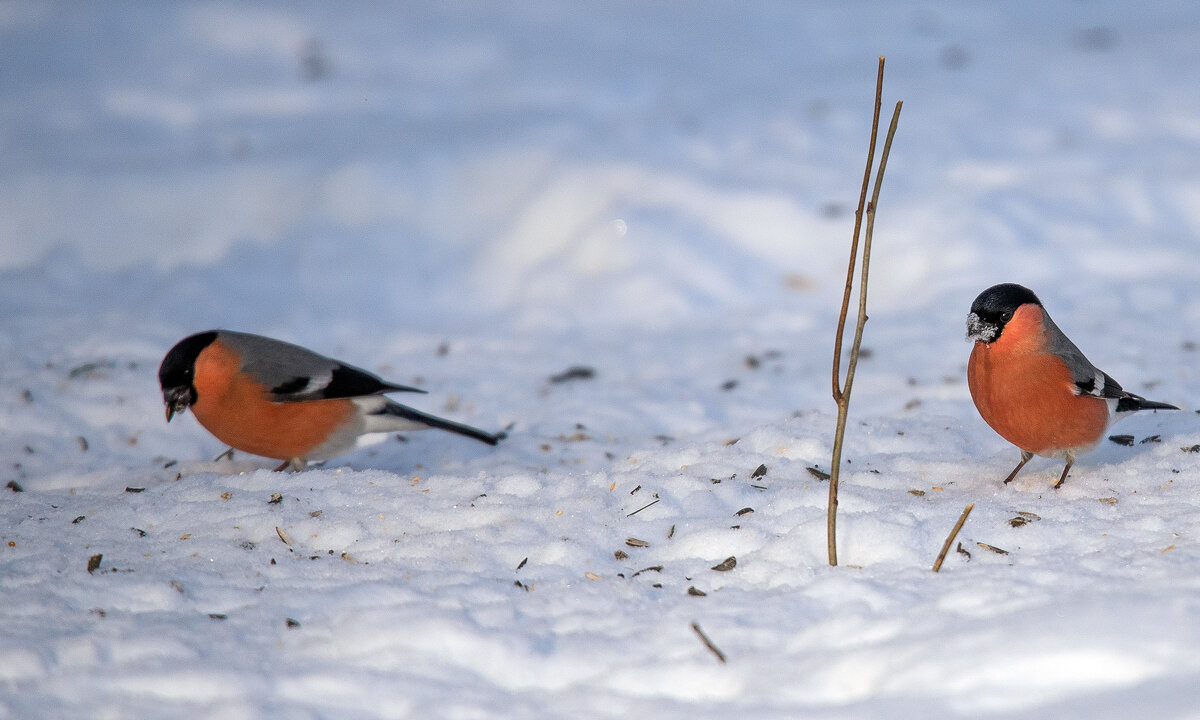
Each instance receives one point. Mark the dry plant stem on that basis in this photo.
(962, 519)
(841, 392)
(858, 219)
(708, 643)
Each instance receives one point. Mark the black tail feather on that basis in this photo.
(403, 411)
(1131, 402)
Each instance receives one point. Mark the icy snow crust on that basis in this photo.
(473, 198)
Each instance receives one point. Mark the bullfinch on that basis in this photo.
(277, 400)
(1033, 386)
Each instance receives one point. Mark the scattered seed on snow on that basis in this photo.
(726, 565)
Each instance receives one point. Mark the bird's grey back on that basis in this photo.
(274, 362)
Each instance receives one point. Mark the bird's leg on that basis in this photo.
(294, 464)
(1025, 457)
(1067, 469)
(228, 455)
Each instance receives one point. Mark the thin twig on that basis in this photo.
(937, 564)
(708, 643)
(841, 391)
(858, 219)
(635, 512)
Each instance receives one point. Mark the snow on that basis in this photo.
(473, 198)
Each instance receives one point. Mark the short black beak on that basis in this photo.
(177, 400)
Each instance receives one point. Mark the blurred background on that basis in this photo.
(384, 165)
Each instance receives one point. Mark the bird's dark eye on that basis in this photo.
(1006, 316)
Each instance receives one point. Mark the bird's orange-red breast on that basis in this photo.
(278, 400)
(1033, 386)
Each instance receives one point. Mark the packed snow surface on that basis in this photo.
(475, 198)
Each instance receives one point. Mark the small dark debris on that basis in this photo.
(912, 404)
(1192, 449)
(954, 57)
(443, 349)
(818, 473)
(918, 493)
(634, 542)
(98, 612)
(992, 548)
(178, 586)
(170, 464)
(522, 563)
(729, 385)
(139, 531)
(743, 511)
(726, 565)
(620, 555)
(696, 593)
(89, 368)
(1121, 439)
(1151, 439)
(575, 372)
(652, 568)
(27, 396)
(963, 551)
(134, 490)
(276, 498)
(671, 532)
(83, 443)
(248, 545)
(649, 504)
(218, 616)
(79, 519)
(523, 586)
(14, 486)
(752, 362)
(1096, 39)
(94, 562)
(292, 623)
(1023, 519)
(759, 471)
(664, 439)
(639, 487)
(832, 210)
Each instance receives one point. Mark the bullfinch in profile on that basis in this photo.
(1033, 386)
(277, 400)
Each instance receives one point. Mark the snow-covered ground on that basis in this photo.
(475, 197)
